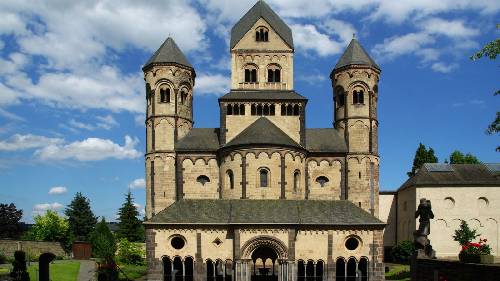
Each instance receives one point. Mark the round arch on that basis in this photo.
(264, 241)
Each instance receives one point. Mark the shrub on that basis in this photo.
(19, 267)
(464, 235)
(403, 251)
(3, 259)
(130, 253)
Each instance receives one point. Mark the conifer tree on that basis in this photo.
(422, 156)
(129, 226)
(80, 217)
(103, 242)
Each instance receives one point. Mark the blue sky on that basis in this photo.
(72, 93)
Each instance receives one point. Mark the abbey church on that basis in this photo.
(262, 197)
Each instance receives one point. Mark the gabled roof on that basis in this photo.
(325, 140)
(263, 132)
(270, 212)
(434, 174)
(355, 54)
(262, 95)
(168, 52)
(199, 139)
(261, 10)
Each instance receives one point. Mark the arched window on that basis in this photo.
(273, 73)
(253, 110)
(178, 266)
(230, 179)
(363, 268)
(264, 177)
(250, 74)
(266, 110)
(310, 271)
(289, 110)
(262, 34)
(283, 110)
(319, 270)
(358, 97)
(167, 268)
(340, 270)
(301, 271)
(259, 109)
(236, 109)
(296, 180)
(165, 95)
(340, 100)
(272, 110)
(183, 97)
(322, 180)
(203, 179)
(229, 109)
(242, 109)
(351, 269)
(296, 110)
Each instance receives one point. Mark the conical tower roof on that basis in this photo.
(168, 52)
(355, 54)
(261, 10)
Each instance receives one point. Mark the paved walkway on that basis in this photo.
(87, 271)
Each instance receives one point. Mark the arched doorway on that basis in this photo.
(264, 264)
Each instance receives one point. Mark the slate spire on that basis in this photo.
(355, 54)
(168, 52)
(261, 10)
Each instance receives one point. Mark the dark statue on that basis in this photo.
(422, 243)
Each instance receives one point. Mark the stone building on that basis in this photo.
(262, 197)
(458, 192)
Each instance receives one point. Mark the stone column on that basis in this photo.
(376, 271)
(155, 270)
(330, 263)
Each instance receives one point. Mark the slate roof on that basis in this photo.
(325, 140)
(460, 175)
(355, 54)
(268, 212)
(261, 9)
(263, 132)
(262, 95)
(168, 52)
(199, 139)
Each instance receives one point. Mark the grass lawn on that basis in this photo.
(399, 272)
(61, 271)
(132, 271)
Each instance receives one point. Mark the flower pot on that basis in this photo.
(486, 258)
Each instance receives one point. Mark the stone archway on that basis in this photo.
(266, 259)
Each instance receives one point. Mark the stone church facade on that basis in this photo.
(262, 197)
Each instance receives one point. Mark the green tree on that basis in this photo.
(457, 157)
(80, 217)
(464, 235)
(422, 156)
(103, 242)
(129, 226)
(50, 227)
(9, 220)
(491, 50)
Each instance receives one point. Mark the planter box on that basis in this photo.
(485, 259)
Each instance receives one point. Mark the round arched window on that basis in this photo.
(177, 242)
(352, 243)
(322, 180)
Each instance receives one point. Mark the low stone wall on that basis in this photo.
(438, 270)
(32, 248)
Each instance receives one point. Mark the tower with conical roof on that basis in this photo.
(355, 89)
(169, 116)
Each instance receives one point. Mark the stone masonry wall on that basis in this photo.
(32, 248)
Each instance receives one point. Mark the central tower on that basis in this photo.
(261, 51)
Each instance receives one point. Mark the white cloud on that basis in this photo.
(443, 67)
(137, 183)
(452, 29)
(105, 89)
(103, 122)
(40, 209)
(29, 141)
(56, 190)
(216, 84)
(139, 119)
(11, 23)
(402, 45)
(308, 38)
(342, 29)
(90, 149)
(312, 79)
